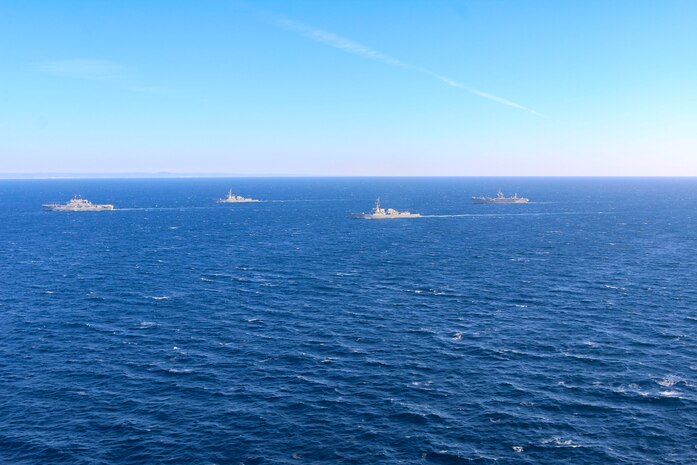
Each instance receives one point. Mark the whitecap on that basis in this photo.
(160, 297)
(559, 442)
(179, 370)
(421, 383)
(612, 286)
(518, 448)
(669, 381)
(633, 388)
(146, 324)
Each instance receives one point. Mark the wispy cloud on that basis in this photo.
(83, 69)
(339, 42)
(106, 72)
(480, 93)
(350, 46)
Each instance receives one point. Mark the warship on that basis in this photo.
(500, 199)
(380, 213)
(77, 204)
(232, 198)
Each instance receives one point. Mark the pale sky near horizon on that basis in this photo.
(443, 87)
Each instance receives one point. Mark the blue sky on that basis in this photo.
(401, 87)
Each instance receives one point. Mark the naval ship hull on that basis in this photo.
(480, 201)
(379, 213)
(369, 216)
(238, 201)
(65, 208)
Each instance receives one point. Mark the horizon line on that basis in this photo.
(168, 175)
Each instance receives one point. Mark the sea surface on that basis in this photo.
(177, 330)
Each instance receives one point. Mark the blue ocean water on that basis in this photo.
(178, 330)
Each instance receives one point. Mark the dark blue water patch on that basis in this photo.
(178, 330)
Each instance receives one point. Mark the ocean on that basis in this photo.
(178, 330)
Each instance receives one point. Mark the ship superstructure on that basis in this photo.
(77, 204)
(379, 213)
(232, 198)
(500, 199)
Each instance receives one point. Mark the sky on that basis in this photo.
(349, 87)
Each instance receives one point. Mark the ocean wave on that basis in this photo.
(253, 336)
(559, 442)
(670, 380)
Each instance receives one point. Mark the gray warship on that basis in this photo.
(232, 198)
(500, 199)
(380, 213)
(77, 204)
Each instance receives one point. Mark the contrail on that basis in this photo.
(339, 42)
(355, 48)
(480, 93)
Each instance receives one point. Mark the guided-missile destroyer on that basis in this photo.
(232, 198)
(380, 213)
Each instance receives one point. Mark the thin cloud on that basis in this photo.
(105, 72)
(83, 69)
(355, 48)
(339, 42)
(480, 93)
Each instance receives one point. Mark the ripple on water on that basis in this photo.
(179, 332)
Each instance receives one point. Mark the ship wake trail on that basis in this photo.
(148, 209)
(498, 215)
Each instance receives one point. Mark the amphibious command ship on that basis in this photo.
(500, 199)
(77, 204)
(380, 213)
(231, 198)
